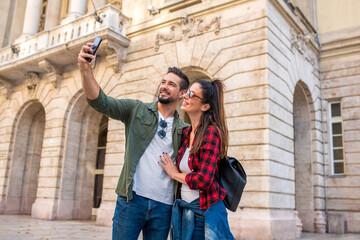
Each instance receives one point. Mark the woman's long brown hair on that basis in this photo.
(213, 94)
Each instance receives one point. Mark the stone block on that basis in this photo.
(282, 141)
(246, 94)
(336, 223)
(105, 213)
(281, 201)
(278, 169)
(248, 152)
(246, 79)
(280, 112)
(242, 65)
(246, 108)
(184, 52)
(43, 209)
(280, 126)
(255, 167)
(242, 137)
(114, 159)
(281, 155)
(233, 52)
(247, 122)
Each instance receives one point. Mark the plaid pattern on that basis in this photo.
(204, 167)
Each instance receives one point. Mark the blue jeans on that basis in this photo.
(199, 231)
(152, 217)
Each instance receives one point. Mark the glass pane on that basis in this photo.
(100, 159)
(337, 141)
(339, 167)
(336, 128)
(335, 110)
(98, 190)
(338, 154)
(102, 138)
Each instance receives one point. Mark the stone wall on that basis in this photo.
(341, 82)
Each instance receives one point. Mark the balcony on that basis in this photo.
(50, 51)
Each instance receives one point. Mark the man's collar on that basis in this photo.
(154, 107)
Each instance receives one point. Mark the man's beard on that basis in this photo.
(164, 100)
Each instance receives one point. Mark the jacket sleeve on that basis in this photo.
(209, 155)
(119, 109)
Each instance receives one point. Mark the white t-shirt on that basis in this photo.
(187, 194)
(150, 179)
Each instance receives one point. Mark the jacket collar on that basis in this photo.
(153, 107)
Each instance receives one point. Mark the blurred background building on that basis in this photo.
(292, 72)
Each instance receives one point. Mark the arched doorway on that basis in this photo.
(78, 168)
(304, 193)
(25, 158)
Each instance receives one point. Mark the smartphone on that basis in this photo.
(94, 48)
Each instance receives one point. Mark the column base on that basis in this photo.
(262, 224)
(105, 214)
(43, 209)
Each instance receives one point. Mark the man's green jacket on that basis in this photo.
(141, 124)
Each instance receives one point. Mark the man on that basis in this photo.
(145, 191)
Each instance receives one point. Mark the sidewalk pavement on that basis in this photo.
(23, 227)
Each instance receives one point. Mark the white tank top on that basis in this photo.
(187, 194)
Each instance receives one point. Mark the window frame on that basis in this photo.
(332, 120)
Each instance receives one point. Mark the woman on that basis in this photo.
(200, 196)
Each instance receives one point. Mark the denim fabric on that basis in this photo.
(140, 213)
(183, 221)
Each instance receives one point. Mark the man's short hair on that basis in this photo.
(184, 83)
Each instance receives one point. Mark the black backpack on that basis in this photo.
(233, 179)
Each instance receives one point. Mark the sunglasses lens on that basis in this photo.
(161, 133)
(163, 124)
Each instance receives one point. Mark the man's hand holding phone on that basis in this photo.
(87, 54)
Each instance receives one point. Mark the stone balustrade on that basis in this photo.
(108, 19)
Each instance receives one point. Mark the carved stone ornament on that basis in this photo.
(115, 55)
(186, 28)
(302, 43)
(32, 80)
(8, 86)
(116, 3)
(52, 73)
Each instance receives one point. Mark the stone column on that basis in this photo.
(77, 8)
(52, 14)
(32, 19)
(99, 3)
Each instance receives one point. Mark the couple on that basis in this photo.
(155, 138)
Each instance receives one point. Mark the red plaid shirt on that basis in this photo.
(204, 167)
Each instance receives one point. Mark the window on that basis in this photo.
(336, 152)
(100, 163)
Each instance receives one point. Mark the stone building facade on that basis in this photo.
(292, 103)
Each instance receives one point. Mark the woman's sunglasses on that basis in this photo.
(192, 94)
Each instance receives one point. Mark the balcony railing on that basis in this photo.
(30, 51)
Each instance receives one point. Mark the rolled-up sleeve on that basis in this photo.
(209, 155)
